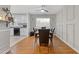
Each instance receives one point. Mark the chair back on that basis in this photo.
(44, 36)
(34, 30)
(52, 33)
(43, 27)
(53, 30)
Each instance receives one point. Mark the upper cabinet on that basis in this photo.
(19, 18)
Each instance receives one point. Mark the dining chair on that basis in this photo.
(44, 36)
(51, 36)
(43, 27)
(36, 35)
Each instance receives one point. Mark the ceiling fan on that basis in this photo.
(41, 9)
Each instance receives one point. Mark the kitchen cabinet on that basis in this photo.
(4, 41)
(19, 18)
(11, 31)
(23, 31)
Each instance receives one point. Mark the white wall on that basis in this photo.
(28, 24)
(67, 25)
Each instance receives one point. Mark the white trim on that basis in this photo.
(68, 44)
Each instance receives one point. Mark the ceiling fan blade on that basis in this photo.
(46, 10)
(40, 9)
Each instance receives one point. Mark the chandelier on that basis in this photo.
(8, 15)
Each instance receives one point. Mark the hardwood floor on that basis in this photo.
(27, 46)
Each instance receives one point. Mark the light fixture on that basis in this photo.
(0, 17)
(43, 9)
(8, 15)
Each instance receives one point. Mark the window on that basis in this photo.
(43, 22)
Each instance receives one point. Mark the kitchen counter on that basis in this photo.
(17, 27)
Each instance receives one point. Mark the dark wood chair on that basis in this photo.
(36, 35)
(44, 36)
(43, 27)
(51, 36)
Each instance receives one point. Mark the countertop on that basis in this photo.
(17, 27)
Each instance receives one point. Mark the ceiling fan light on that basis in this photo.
(42, 10)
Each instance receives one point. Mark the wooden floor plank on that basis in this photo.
(27, 46)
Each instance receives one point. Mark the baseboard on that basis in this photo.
(67, 44)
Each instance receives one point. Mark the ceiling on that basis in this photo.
(33, 9)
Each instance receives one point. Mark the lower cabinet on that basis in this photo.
(11, 31)
(23, 31)
(4, 40)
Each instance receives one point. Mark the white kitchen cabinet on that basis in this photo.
(11, 31)
(4, 40)
(23, 31)
(20, 18)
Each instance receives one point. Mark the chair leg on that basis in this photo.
(48, 48)
(51, 43)
(35, 42)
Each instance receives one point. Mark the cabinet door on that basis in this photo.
(23, 31)
(11, 31)
(4, 40)
(19, 18)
